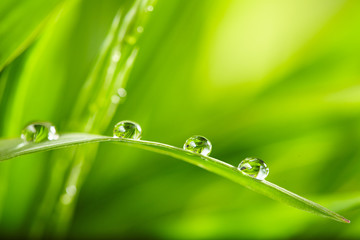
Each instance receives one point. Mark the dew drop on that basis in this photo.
(115, 99)
(150, 8)
(39, 132)
(127, 129)
(122, 92)
(71, 190)
(66, 199)
(139, 29)
(198, 144)
(254, 167)
(116, 56)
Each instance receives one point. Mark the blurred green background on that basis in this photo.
(274, 79)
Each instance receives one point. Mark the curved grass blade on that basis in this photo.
(15, 147)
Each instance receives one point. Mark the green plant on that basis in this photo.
(276, 81)
(14, 148)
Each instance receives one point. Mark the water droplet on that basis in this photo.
(150, 8)
(127, 129)
(116, 56)
(254, 167)
(66, 199)
(139, 29)
(38, 132)
(198, 144)
(122, 92)
(71, 190)
(115, 99)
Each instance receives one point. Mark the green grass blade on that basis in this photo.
(20, 27)
(15, 147)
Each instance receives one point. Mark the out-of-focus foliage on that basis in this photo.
(278, 80)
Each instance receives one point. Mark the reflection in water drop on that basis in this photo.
(254, 167)
(198, 144)
(39, 132)
(127, 129)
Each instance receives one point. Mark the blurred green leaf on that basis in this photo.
(278, 80)
(15, 34)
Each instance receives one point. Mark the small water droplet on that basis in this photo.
(254, 167)
(71, 190)
(115, 99)
(139, 29)
(198, 144)
(127, 129)
(122, 92)
(66, 199)
(39, 132)
(150, 8)
(116, 56)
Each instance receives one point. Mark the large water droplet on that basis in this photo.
(127, 129)
(198, 144)
(254, 167)
(38, 132)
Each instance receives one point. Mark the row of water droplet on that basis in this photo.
(42, 131)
